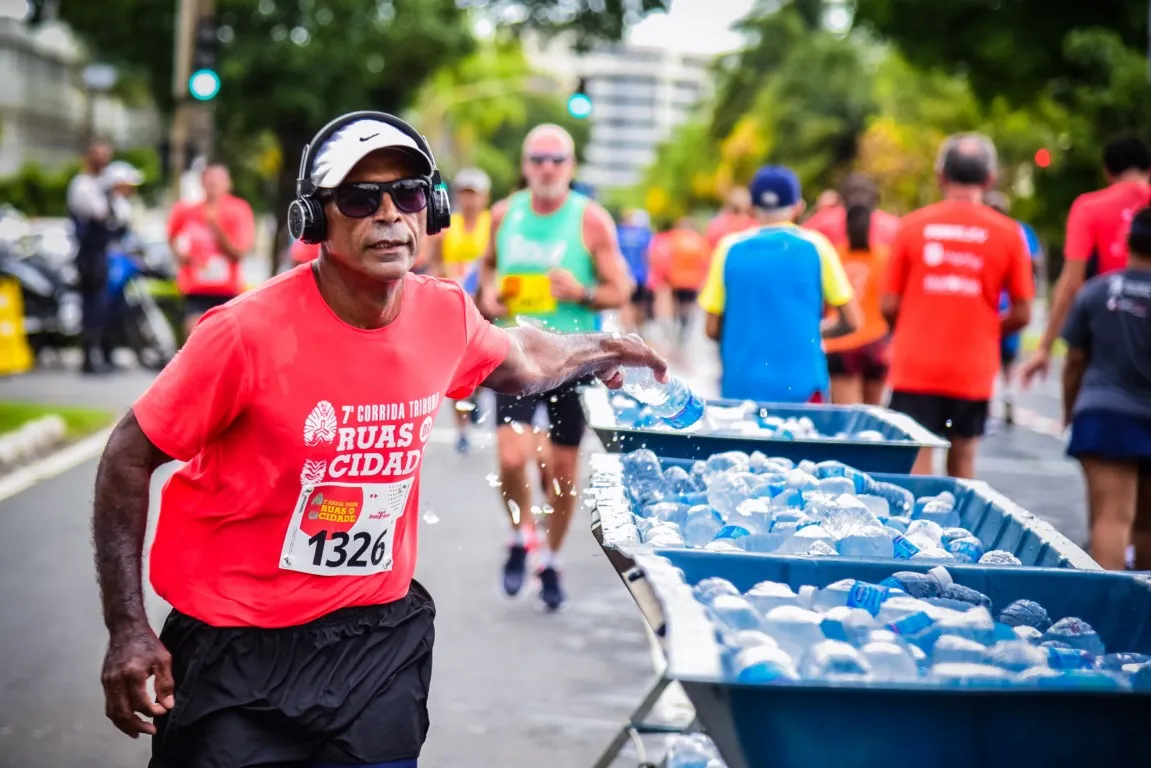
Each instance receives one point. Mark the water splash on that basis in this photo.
(464, 406)
(493, 480)
(517, 427)
(430, 517)
(556, 487)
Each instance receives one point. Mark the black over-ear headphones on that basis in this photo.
(306, 219)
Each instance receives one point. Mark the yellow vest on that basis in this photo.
(463, 247)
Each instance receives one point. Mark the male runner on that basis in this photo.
(554, 261)
(288, 539)
(1096, 241)
(635, 237)
(949, 265)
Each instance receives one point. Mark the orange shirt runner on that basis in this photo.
(1099, 221)
(865, 272)
(950, 263)
(301, 491)
(209, 270)
(679, 260)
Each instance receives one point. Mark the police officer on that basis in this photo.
(91, 214)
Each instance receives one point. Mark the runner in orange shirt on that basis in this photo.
(949, 265)
(1096, 242)
(679, 260)
(857, 362)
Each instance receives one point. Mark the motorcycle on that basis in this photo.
(135, 320)
(52, 305)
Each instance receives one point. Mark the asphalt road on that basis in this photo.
(513, 686)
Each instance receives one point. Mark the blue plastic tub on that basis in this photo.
(897, 453)
(835, 725)
(998, 522)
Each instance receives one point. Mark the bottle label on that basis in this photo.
(732, 532)
(904, 549)
(866, 596)
(909, 625)
(691, 412)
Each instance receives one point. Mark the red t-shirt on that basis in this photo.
(832, 224)
(1099, 222)
(728, 223)
(950, 263)
(303, 437)
(209, 270)
(301, 252)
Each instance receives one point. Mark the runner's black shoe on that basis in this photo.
(550, 591)
(515, 569)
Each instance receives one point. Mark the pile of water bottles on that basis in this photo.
(739, 502)
(745, 420)
(917, 628)
(693, 751)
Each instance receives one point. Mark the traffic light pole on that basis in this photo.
(189, 119)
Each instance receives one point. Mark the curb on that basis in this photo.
(53, 464)
(32, 440)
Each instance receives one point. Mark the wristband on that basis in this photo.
(589, 296)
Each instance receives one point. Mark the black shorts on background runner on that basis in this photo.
(565, 413)
(199, 303)
(348, 688)
(945, 416)
(868, 361)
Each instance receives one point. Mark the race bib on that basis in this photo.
(344, 529)
(215, 270)
(528, 294)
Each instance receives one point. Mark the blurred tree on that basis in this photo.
(1011, 48)
(289, 66)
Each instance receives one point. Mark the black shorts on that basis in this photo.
(642, 297)
(684, 295)
(196, 304)
(350, 687)
(945, 416)
(868, 361)
(566, 420)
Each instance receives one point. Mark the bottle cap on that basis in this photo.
(942, 576)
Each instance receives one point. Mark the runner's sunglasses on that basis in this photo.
(361, 199)
(540, 159)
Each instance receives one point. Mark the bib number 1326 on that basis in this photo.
(344, 529)
(337, 548)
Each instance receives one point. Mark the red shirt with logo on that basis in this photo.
(1099, 222)
(209, 270)
(950, 263)
(303, 438)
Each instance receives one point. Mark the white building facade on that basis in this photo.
(43, 105)
(639, 95)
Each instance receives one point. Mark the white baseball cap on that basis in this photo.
(118, 173)
(473, 179)
(355, 141)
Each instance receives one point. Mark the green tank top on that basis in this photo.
(528, 245)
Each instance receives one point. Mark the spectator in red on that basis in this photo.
(287, 543)
(1096, 241)
(209, 239)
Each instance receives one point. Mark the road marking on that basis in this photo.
(53, 464)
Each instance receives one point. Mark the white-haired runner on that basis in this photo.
(553, 261)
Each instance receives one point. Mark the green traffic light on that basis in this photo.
(579, 105)
(204, 84)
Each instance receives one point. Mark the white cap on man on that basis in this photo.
(472, 179)
(355, 141)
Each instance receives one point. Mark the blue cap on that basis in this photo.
(774, 187)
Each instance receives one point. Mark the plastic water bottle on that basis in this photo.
(1077, 634)
(889, 661)
(674, 402)
(921, 585)
(767, 595)
(693, 751)
(853, 594)
(869, 541)
(795, 629)
(999, 557)
(735, 612)
(835, 660)
(764, 663)
(700, 525)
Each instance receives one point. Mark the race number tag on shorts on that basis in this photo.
(528, 294)
(344, 529)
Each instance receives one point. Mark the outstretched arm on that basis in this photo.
(539, 361)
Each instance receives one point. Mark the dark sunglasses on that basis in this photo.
(361, 199)
(544, 158)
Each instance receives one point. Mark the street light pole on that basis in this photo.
(178, 137)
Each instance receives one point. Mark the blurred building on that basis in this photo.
(45, 114)
(639, 95)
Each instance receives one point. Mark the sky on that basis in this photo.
(693, 26)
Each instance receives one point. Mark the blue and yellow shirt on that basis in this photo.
(771, 285)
